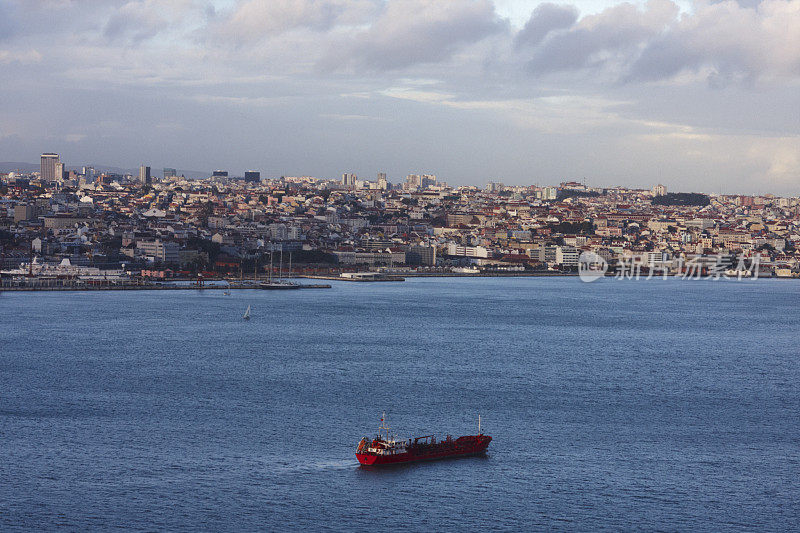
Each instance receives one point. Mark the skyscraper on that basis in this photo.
(170, 172)
(144, 175)
(252, 176)
(349, 180)
(59, 171)
(48, 166)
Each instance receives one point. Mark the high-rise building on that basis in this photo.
(144, 175)
(170, 172)
(659, 190)
(382, 183)
(349, 180)
(48, 166)
(421, 255)
(413, 182)
(252, 176)
(59, 171)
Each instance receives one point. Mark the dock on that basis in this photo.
(70, 285)
(358, 279)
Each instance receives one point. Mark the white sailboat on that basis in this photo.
(247, 313)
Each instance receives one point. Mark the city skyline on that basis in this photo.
(250, 175)
(696, 95)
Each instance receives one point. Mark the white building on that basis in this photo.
(467, 251)
(165, 252)
(549, 193)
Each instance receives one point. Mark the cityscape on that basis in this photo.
(403, 265)
(84, 224)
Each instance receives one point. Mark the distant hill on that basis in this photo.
(10, 166)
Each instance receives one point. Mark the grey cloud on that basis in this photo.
(251, 21)
(410, 32)
(664, 57)
(742, 3)
(603, 39)
(728, 42)
(732, 43)
(545, 19)
(7, 24)
(136, 29)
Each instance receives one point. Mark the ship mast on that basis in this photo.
(479, 425)
(383, 426)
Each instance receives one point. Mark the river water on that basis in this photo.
(615, 405)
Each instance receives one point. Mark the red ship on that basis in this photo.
(387, 450)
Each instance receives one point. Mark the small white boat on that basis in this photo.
(247, 313)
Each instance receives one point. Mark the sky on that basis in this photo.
(699, 95)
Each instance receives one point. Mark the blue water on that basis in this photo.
(616, 405)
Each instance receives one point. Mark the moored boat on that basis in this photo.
(385, 449)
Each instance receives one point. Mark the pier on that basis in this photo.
(78, 285)
(357, 278)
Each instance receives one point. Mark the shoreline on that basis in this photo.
(255, 285)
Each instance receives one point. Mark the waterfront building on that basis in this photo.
(158, 250)
(567, 256)
(467, 251)
(421, 255)
(385, 258)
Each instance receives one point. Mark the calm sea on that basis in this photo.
(617, 405)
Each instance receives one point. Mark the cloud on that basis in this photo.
(728, 41)
(545, 19)
(723, 42)
(7, 22)
(139, 20)
(349, 117)
(604, 40)
(252, 21)
(410, 32)
(632, 90)
(21, 57)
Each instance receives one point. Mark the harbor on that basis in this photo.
(135, 285)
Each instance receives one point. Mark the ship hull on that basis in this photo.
(462, 447)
